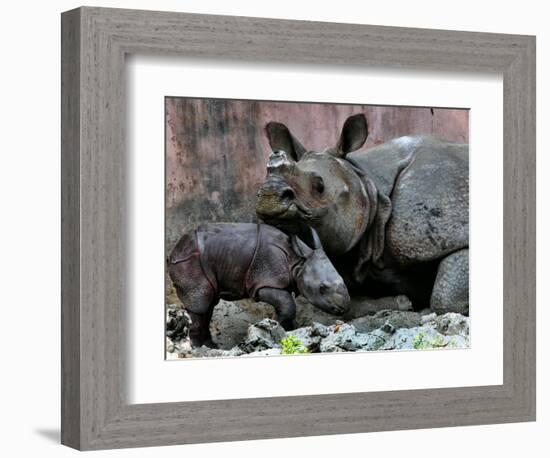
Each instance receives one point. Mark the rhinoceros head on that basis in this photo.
(319, 189)
(318, 280)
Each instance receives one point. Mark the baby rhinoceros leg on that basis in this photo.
(451, 288)
(197, 297)
(284, 304)
(198, 302)
(199, 329)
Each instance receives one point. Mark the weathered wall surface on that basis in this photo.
(216, 150)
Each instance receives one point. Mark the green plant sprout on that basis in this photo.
(421, 343)
(292, 346)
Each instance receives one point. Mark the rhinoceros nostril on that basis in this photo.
(288, 194)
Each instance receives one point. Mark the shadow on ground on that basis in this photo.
(53, 435)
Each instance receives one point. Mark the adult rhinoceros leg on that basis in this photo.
(451, 287)
(284, 305)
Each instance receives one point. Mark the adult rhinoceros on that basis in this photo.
(392, 218)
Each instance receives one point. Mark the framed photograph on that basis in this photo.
(278, 228)
(242, 281)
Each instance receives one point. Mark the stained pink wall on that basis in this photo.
(216, 150)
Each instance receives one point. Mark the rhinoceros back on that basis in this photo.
(426, 180)
(430, 204)
(226, 252)
(384, 162)
(241, 258)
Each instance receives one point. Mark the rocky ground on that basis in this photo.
(248, 328)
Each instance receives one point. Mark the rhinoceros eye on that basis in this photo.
(318, 185)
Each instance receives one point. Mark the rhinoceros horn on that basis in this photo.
(316, 240)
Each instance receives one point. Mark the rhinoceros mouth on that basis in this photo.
(296, 206)
(284, 211)
(281, 203)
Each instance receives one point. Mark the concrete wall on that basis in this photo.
(216, 150)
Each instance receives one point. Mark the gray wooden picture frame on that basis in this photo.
(95, 413)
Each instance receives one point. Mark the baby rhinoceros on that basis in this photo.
(246, 260)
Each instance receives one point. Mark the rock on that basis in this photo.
(230, 320)
(177, 322)
(247, 328)
(343, 337)
(389, 318)
(458, 342)
(452, 324)
(306, 337)
(170, 346)
(182, 346)
(235, 351)
(264, 335)
(206, 352)
(423, 338)
(374, 340)
(317, 329)
(310, 336)
(361, 306)
(387, 327)
(428, 317)
(307, 314)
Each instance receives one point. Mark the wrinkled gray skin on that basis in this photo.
(243, 260)
(390, 217)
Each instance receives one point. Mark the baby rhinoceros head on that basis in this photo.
(318, 281)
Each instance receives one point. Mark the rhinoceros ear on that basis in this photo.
(354, 135)
(280, 138)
